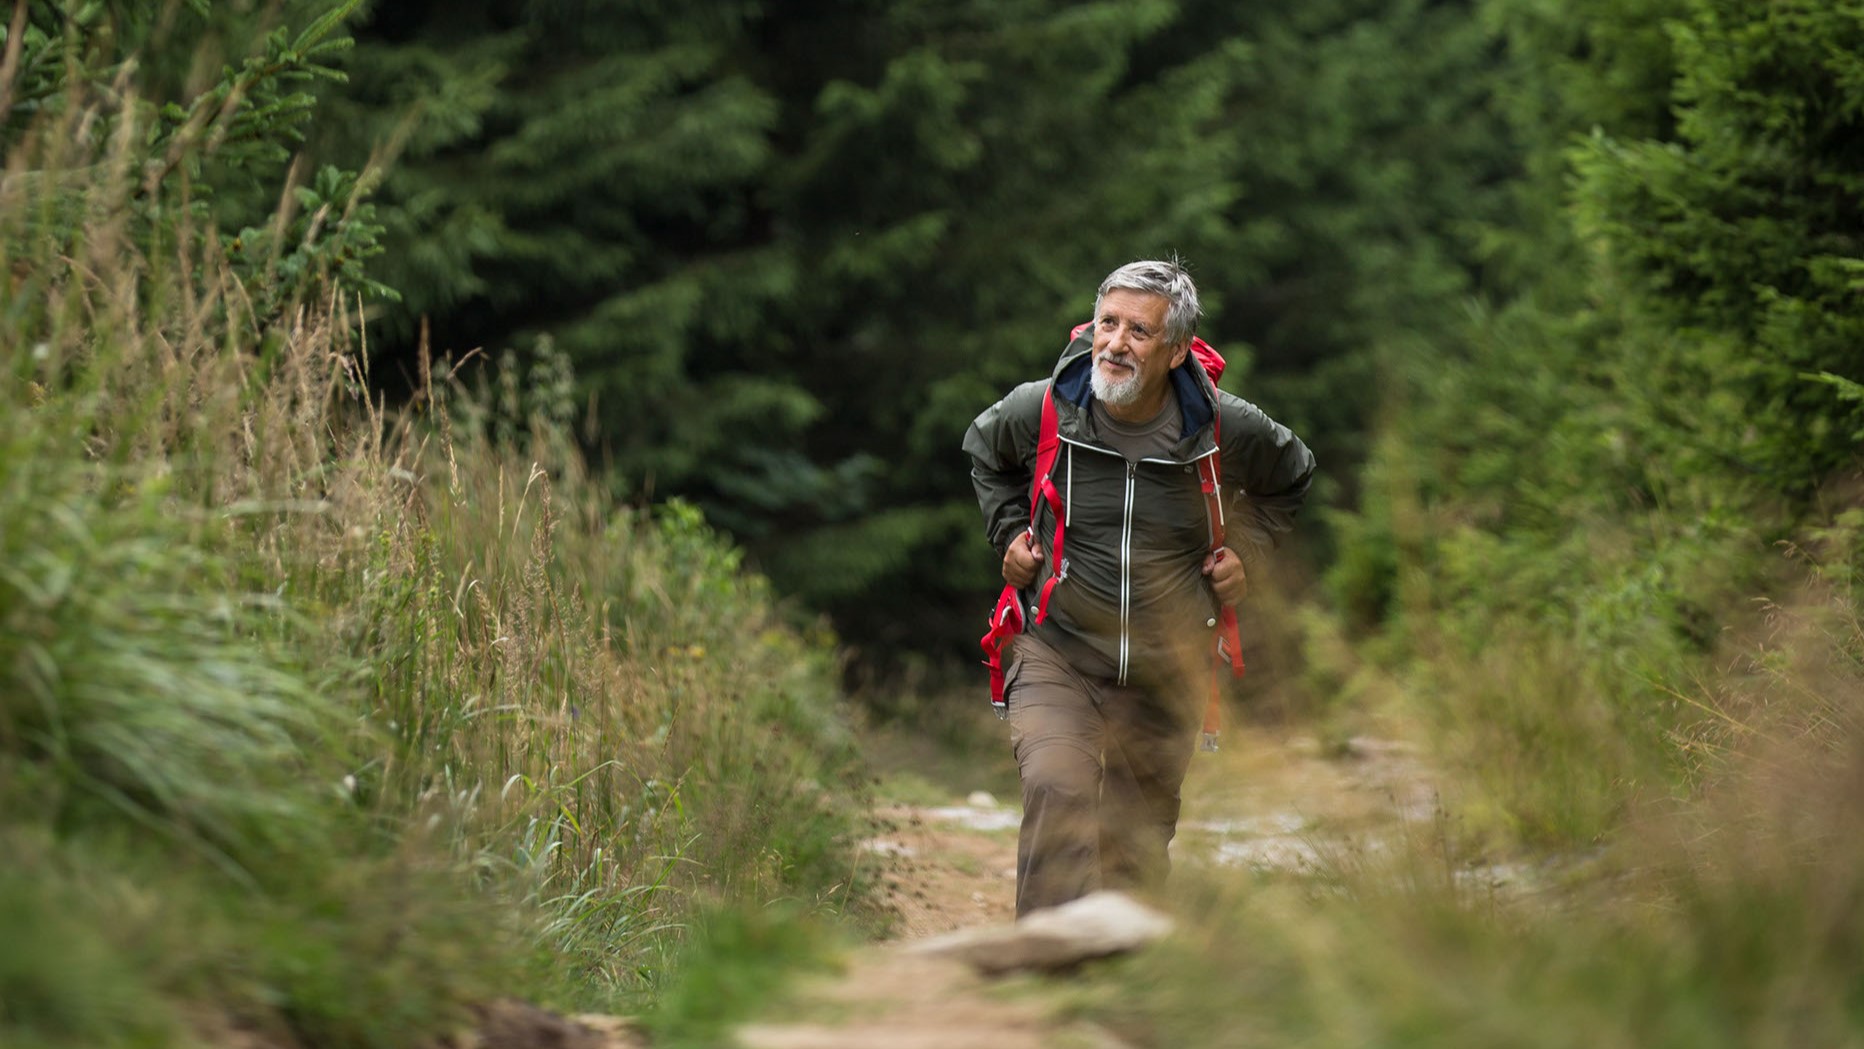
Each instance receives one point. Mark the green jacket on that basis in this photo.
(1134, 593)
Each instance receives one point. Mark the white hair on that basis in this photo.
(1167, 278)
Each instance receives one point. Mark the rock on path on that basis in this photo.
(1054, 939)
(930, 994)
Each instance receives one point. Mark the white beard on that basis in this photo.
(1118, 393)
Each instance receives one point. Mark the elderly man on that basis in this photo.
(1104, 694)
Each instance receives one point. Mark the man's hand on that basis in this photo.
(1021, 560)
(1225, 569)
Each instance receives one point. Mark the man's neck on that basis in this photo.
(1143, 410)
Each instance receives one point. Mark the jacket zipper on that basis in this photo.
(1126, 539)
(1126, 571)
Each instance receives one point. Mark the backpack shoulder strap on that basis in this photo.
(1048, 446)
(1042, 490)
(1006, 621)
(1229, 648)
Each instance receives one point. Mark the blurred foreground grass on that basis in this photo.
(1724, 911)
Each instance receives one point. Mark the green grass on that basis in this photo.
(329, 721)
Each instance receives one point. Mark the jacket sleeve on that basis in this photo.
(1268, 471)
(1002, 445)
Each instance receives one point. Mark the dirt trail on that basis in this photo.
(1264, 801)
(896, 1001)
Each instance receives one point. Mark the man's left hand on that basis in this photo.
(1225, 569)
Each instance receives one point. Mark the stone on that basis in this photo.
(1055, 938)
(981, 799)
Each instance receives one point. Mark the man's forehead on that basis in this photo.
(1129, 300)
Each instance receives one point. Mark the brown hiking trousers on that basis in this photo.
(1101, 767)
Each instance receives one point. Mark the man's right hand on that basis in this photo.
(1021, 561)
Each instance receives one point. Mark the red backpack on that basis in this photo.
(1007, 620)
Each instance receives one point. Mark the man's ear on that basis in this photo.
(1183, 351)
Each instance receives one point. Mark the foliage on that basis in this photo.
(322, 724)
(1744, 234)
(134, 687)
(792, 250)
(213, 146)
(1596, 467)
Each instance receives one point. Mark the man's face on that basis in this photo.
(1131, 359)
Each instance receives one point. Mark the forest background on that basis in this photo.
(790, 250)
(1565, 295)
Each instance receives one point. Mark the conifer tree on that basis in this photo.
(1744, 237)
(792, 250)
(218, 98)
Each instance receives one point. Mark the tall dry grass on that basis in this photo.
(390, 709)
